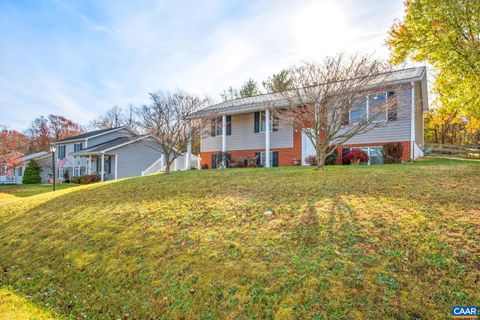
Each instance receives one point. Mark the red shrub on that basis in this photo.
(355, 156)
(311, 160)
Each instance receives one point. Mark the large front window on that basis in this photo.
(375, 154)
(377, 106)
(359, 112)
(216, 126)
(373, 107)
(273, 121)
(77, 147)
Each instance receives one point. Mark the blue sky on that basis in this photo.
(79, 58)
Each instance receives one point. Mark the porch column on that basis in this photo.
(89, 164)
(74, 160)
(224, 140)
(102, 167)
(188, 160)
(116, 167)
(412, 123)
(162, 162)
(267, 138)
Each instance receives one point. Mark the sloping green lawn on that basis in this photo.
(350, 242)
(15, 307)
(14, 191)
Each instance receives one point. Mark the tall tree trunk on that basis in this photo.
(167, 167)
(444, 134)
(321, 159)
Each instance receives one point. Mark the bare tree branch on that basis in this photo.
(329, 100)
(166, 120)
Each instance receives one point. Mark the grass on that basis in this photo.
(15, 307)
(350, 242)
(15, 191)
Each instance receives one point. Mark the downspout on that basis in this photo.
(412, 123)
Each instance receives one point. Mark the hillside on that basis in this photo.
(395, 241)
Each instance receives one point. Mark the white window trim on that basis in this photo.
(367, 108)
(368, 150)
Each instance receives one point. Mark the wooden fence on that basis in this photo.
(469, 151)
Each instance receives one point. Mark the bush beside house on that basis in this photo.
(356, 156)
(392, 152)
(32, 173)
(330, 160)
(90, 178)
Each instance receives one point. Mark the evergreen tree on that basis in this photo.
(249, 89)
(32, 173)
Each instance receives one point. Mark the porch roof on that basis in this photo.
(276, 99)
(90, 134)
(101, 148)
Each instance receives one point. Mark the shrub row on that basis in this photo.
(90, 178)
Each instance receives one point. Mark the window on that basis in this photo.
(217, 160)
(373, 107)
(108, 165)
(392, 108)
(359, 112)
(377, 107)
(61, 153)
(77, 147)
(375, 154)
(20, 171)
(261, 158)
(260, 123)
(216, 126)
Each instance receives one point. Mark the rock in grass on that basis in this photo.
(268, 212)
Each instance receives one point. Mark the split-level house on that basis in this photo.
(238, 127)
(112, 153)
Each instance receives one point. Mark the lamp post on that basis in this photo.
(52, 150)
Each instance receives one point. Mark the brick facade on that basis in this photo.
(405, 148)
(286, 156)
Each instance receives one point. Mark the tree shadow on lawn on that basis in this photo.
(138, 246)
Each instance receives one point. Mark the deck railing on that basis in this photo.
(178, 164)
(469, 151)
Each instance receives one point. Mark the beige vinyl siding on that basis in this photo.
(392, 131)
(243, 136)
(107, 137)
(135, 157)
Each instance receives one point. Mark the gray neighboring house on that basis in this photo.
(113, 153)
(44, 161)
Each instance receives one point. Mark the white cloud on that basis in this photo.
(115, 53)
